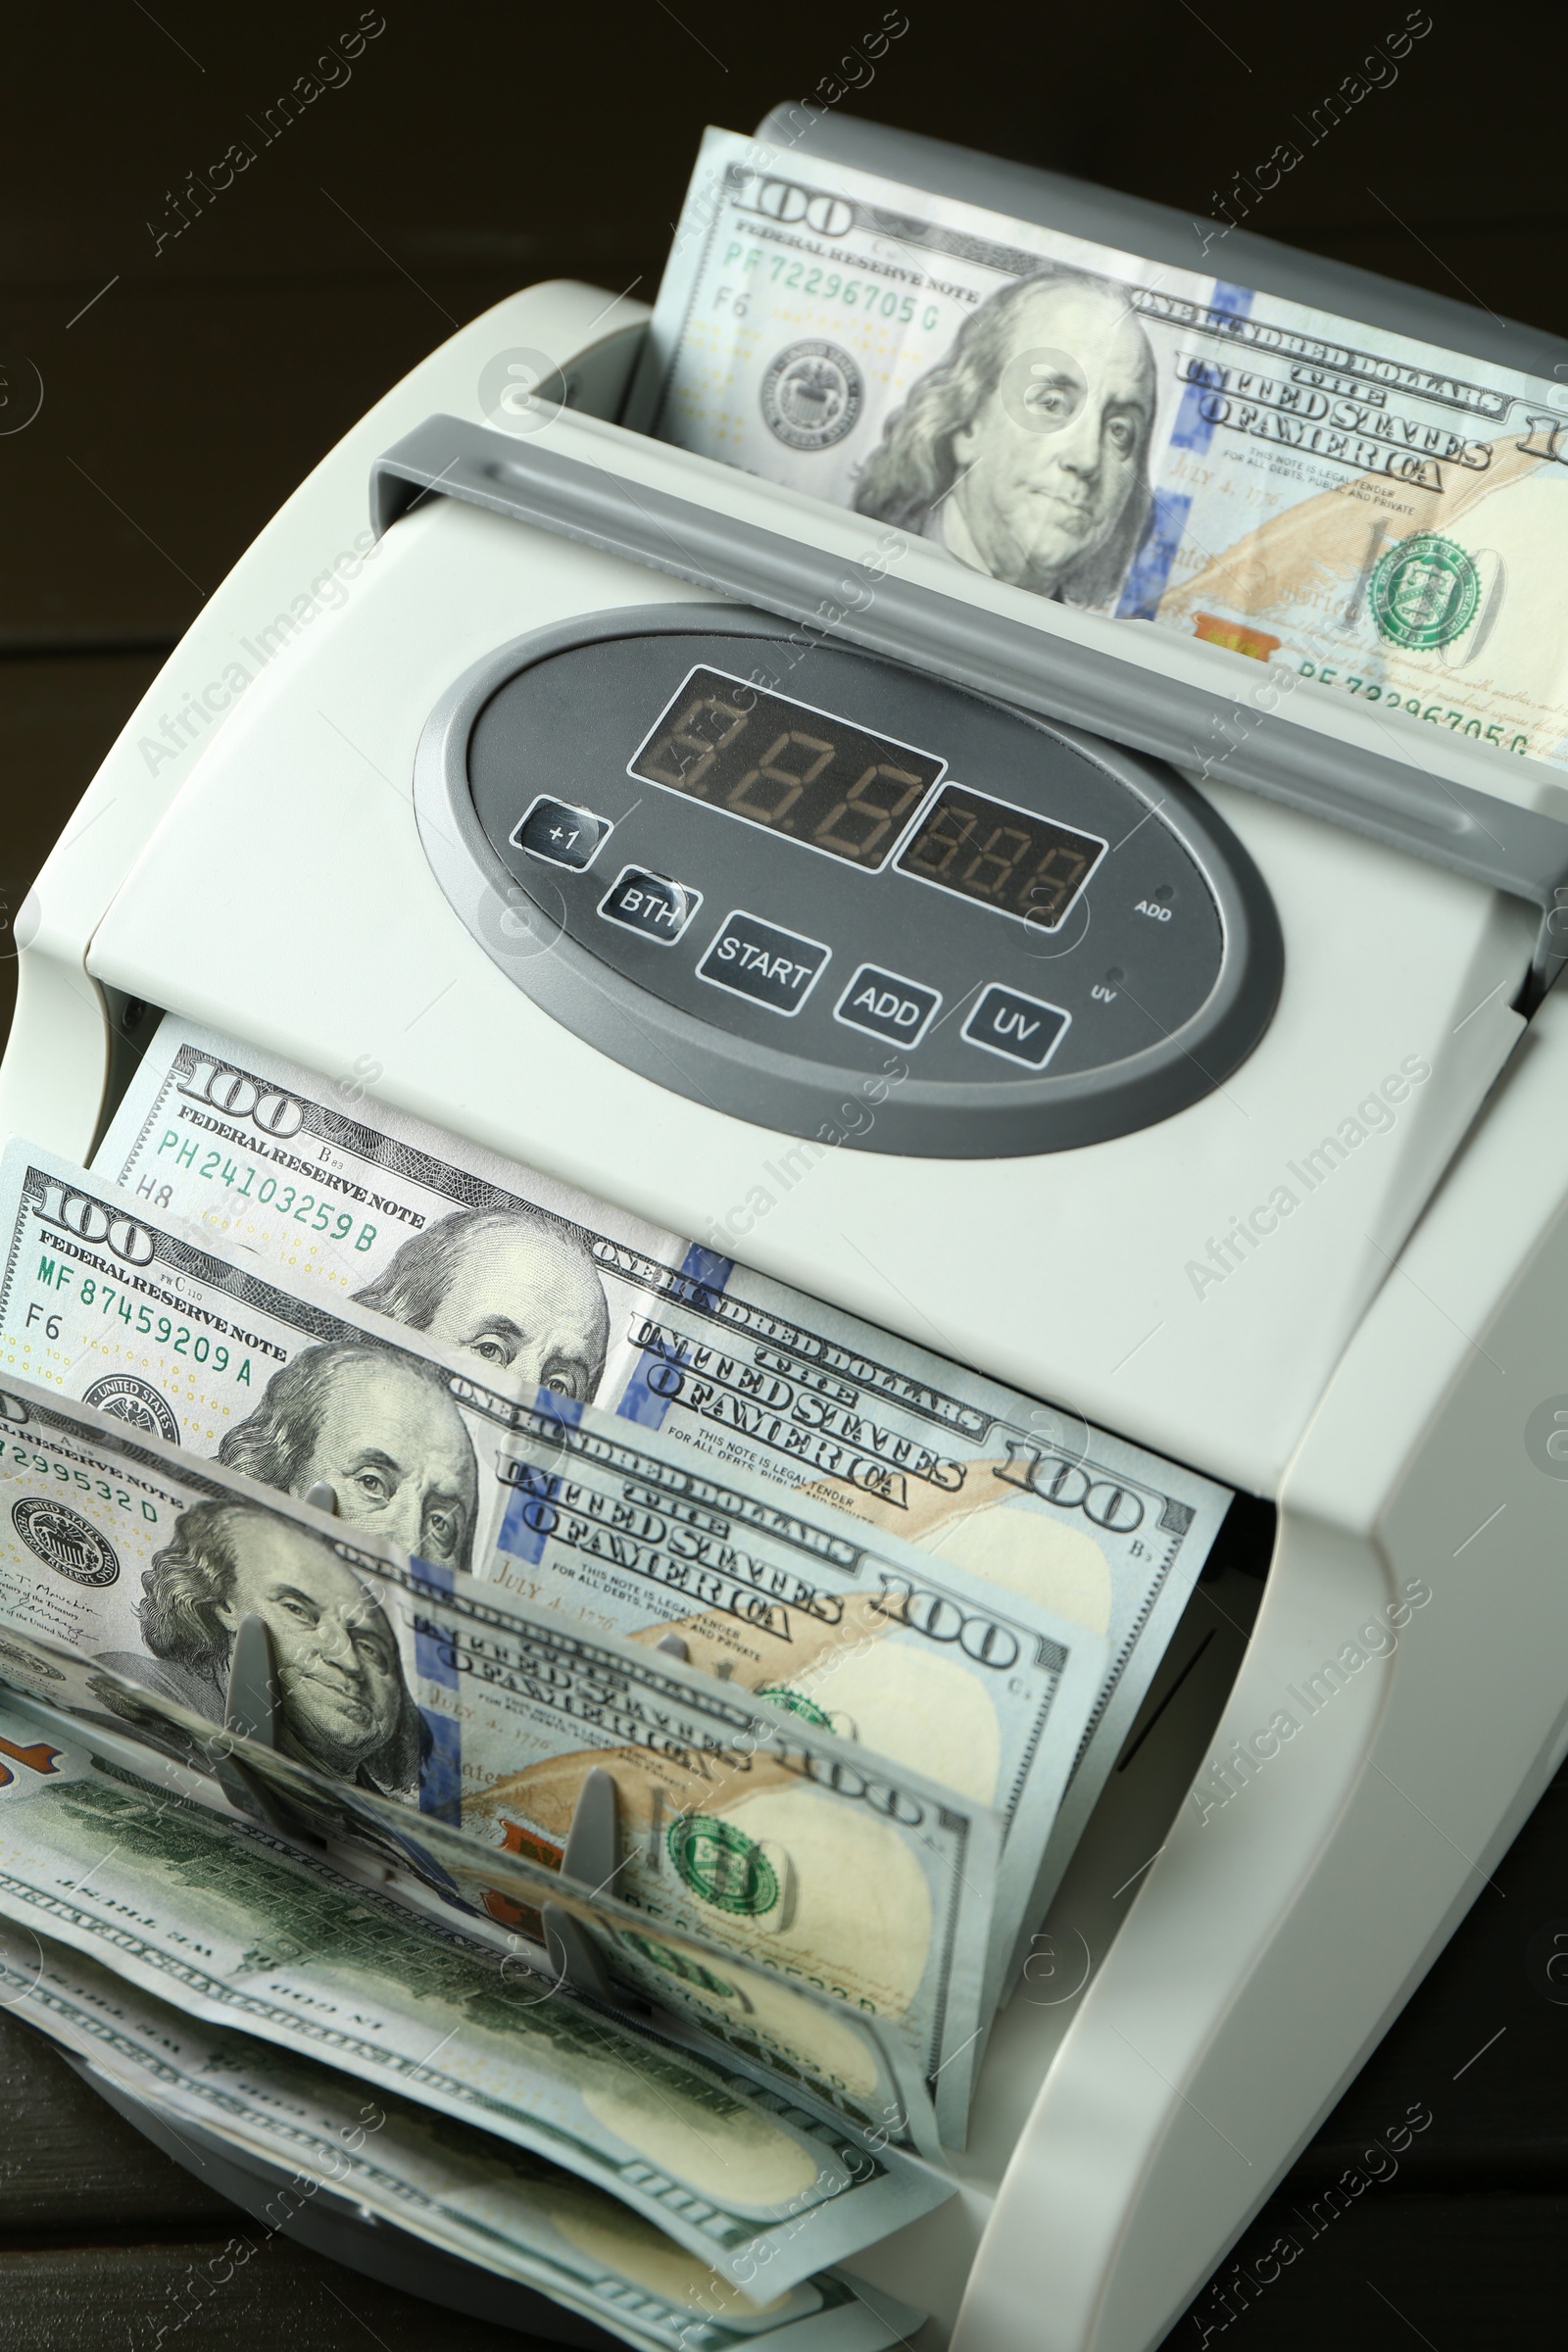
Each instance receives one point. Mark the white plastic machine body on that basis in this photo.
(1376, 1362)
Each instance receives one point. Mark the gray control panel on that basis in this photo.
(767, 872)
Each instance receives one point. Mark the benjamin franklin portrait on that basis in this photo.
(1025, 451)
(513, 1285)
(344, 1707)
(383, 1432)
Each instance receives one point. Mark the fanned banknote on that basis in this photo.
(442, 2181)
(240, 1929)
(920, 1660)
(775, 1388)
(782, 2037)
(741, 1822)
(1144, 441)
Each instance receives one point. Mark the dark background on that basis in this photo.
(185, 392)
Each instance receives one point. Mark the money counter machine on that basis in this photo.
(1253, 1147)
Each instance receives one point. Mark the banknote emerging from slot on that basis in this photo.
(780, 1845)
(791, 1410)
(1144, 441)
(790, 2040)
(525, 1487)
(920, 1660)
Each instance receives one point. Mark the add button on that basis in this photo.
(886, 1005)
(1021, 1028)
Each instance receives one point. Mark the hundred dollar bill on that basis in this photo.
(610, 1522)
(239, 1929)
(774, 2031)
(441, 2180)
(777, 2036)
(772, 1386)
(922, 1664)
(1144, 441)
(741, 1822)
(171, 1331)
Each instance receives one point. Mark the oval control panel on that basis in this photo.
(762, 870)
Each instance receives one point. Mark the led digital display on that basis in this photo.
(777, 763)
(1030, 866)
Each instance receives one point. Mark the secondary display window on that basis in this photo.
(1030, 866)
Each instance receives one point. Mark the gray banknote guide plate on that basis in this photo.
(1162, 1007)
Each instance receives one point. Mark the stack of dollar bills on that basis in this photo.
(533, 1498)
(1140, 440)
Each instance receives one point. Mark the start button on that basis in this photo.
(756, 959)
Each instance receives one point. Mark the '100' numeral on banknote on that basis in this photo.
(789, 1394)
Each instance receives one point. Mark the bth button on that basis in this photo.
(884, 1005)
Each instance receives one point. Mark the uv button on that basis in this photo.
(1021, 1028)
(884, 1006)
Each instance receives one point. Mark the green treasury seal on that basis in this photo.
(723, 1865)
(1425, 591)
(797, 1702)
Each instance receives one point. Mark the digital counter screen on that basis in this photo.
(1002, 857)
(790, 769)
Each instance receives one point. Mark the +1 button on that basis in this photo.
(885, 1006)
(756, 959)
(560, 834)
(1021, 1028)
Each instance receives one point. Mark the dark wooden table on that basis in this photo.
(104, 2243)
(189, 384)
